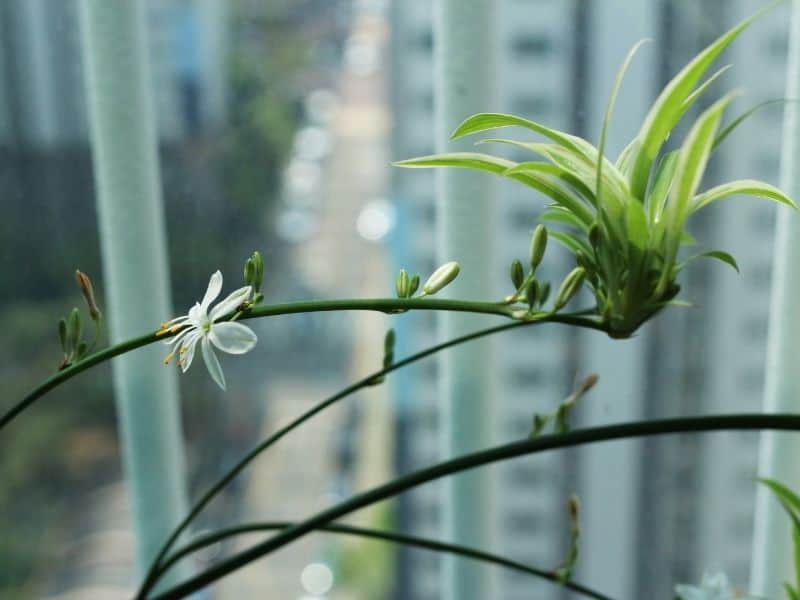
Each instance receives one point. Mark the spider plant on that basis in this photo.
(625, 221)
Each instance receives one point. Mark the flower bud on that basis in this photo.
(544, 292)
(74, 328)
(258, 271)
(82, 349)
(569, 287)
(62, 334)
(532, 292)
(440, 278)
(538, 245)
(85, 284)
(539, 423)
(414, 285)
(402, 284)
(249, 271)
(388, 341)
(517, 274)
(573, 508)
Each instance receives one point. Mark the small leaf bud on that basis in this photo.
(414, 285)
(544, 292)
(569, 287)
(532, 293)
(85, 284)
(538, 246)
(440, 278)
(517, 274)
(249, 271)
(403, 284)
(258, 271)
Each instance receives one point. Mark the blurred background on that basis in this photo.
(277, 121)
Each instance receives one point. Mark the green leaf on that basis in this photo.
(636, 225)
(670, 105)
(721, 256)
(556, 171)
(791, 592)
(572, 243)
(465, 160)
(609, 110)
(687, 239)
(747, 187)
(692, 161)
(558, 214)
(661, 186)
(702, 88)
(486, 121)
(788, 499)
(728, 129)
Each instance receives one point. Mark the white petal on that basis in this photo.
(230, 303)
(197, 315)
(212, 364)
(214, 288)
(181, 336)
(185, 360)
(233, 338)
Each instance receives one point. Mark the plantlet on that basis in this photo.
(625, 221)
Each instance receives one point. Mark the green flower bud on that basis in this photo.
(85, 284)
(569, 287)
(539, 423)
(544, 292)
(83, 348)
(258, 271)
(74, 328)
(388, 341)
(441, 277)
(532, 293)
(538, 245)
(414, 285)
(249, 271)
(517, 274)
(402, 284)
(62, 334)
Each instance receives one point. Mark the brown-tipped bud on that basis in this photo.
(402, 284)
(517, 274)
(85, 284)
(74, 328)
(414, 286)
(569, 287)
(62, 335)
(574, 508)
(587, 384)
(538, 246)
(441, 277)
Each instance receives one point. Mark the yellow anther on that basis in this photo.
(169, 357)
(183, 350)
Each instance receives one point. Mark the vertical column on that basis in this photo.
(464, 51)
(134, 261)
(772, 547)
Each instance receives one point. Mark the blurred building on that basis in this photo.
(656, 511)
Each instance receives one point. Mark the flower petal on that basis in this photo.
(212, 364)
(185, 359)
(214, 288)
(230, 303)
(233, 338)
(196, 315)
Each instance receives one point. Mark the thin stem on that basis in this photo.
(498, 453)
(389, 536)
(153, 574)
(386, 305)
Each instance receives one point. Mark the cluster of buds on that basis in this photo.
(526, 287)
(254, 277)
(70, 331)
(405, 285)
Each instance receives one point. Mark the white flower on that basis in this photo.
(201, 326)
(712, 587)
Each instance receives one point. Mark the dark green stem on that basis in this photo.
(788, 422)
(389, 536)
(152, 573)
(385, 305)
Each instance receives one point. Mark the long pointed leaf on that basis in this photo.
(746, 187)
(728, 129)
(557, 214)
(670, 104)
(715, 254)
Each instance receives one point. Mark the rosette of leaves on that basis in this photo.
(624, 220)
